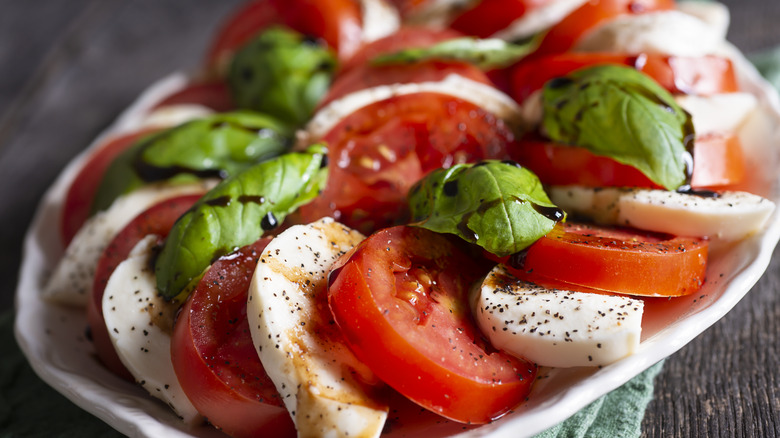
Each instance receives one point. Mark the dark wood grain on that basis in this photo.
(726, 382)
(67, 68)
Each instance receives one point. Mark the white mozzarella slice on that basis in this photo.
(538, 19)
(724, 112)
(728, 217)
(173, 115)
(485, 96)
(556, 328)
(301, 348)
(665, 32)
(380, 19)
(71, 281)
(140, 323)
(715, 14)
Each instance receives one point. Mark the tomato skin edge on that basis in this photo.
(436, 388)
(229, 410)
(676, 267)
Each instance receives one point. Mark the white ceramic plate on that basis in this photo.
(53, 339)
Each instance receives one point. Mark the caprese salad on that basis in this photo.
(360, 205)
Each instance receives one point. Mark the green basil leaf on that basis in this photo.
(236, 213)
(498, 205)
(620, 113)
(281, 72)
(484, 53)
(216, 146)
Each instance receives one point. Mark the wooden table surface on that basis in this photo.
(67, 68)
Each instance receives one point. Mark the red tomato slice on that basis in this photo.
(338, 22)
(78, 200)
(401, 300)
(215, 359)
(558, 164)
(490, 16)
(564, 35)
(158, 220)
(214, 95)
(378, 152)
(690, 75)
(617, 260)
(718, 161)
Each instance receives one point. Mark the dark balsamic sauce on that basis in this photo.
(559, 82)
(688, 190)
(255, 199)
(450, 188)
(222, 201)
(552, 213)
(269, 222)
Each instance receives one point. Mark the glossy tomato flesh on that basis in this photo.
(718, 161)
(157, 220)
(215, 359)
(378, 152)
(78, 201)
(618, 260)
(703, 76)
(401, 301)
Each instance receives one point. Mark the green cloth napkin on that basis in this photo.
(617, 414)
(768, 64)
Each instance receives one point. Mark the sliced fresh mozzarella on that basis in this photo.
(320, 380)
(482, 95)
(556, 328)
(174, 115)
(140, 323)
(538, 19)
(71, 281)
(715, 14)
(723, 112)
(729, 216)
(667, 32)
(380, 19)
